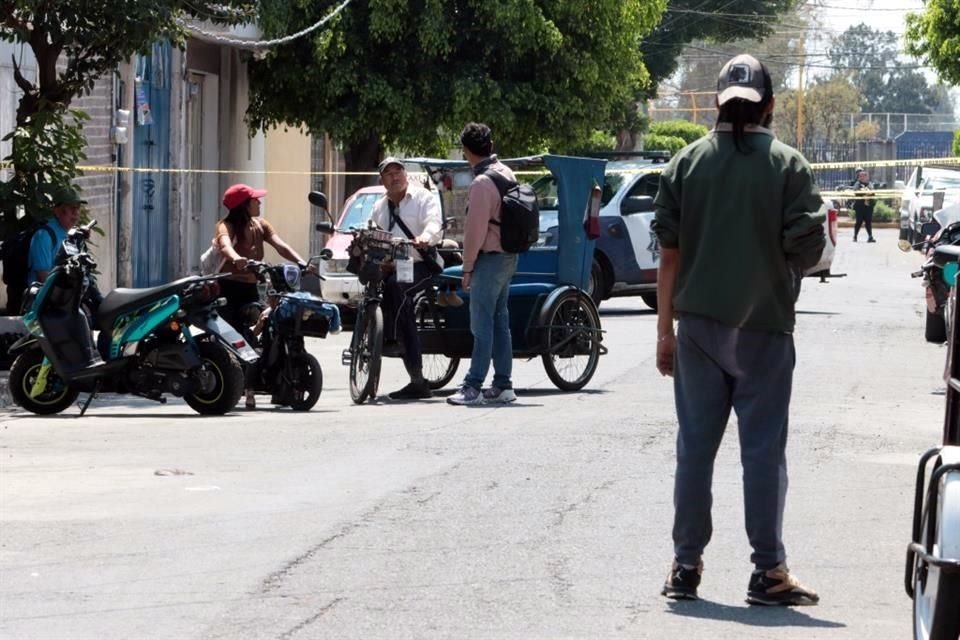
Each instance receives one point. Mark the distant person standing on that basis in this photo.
(735, 216)
(863, 205)
(487, 271)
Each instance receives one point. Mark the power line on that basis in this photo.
(262, 44)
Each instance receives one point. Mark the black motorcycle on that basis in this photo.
(285, 370)
(936, 286)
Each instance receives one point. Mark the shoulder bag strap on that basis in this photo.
(403, 227)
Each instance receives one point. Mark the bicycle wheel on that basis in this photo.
(572, 341)
(438, 369)
(366, 352)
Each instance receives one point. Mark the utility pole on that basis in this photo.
(800, 96)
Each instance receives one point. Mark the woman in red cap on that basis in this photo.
(240, 236)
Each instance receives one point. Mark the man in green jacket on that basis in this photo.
(735, 216)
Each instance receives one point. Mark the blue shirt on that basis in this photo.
(42, 252)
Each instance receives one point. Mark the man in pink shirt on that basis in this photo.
(487, 271)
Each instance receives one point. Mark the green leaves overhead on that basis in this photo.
(410, 73)
(934, 36)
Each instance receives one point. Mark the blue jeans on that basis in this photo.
(718, 369)
(490, 320)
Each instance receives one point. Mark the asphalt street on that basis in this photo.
(549, 518)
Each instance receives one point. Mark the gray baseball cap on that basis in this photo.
(386, 162)
(742, 77)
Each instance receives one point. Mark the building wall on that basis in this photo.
(99, 186)
(286, 205)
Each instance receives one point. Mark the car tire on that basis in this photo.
(597, 286)
(650, 299)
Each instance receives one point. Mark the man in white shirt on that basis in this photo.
(412, 213)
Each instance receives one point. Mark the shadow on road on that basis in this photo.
(801, 312)
(605, 311)
(755, 616)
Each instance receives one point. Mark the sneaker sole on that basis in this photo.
(464, 404)
(787, 600)
(679, 594)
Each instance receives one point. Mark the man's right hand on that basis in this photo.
(666, 347)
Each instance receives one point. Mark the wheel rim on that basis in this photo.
(218, 383)
(572, 326)
(54, 391)
(436, 367)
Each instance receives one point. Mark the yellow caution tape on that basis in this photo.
(914, 162)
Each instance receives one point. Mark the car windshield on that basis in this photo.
(359, 211)
(937, 181)
(546, 190)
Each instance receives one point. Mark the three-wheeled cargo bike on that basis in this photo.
(551, 315)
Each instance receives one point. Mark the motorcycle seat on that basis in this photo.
(121, 301)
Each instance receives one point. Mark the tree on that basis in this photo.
(934, 36)
(74, 43)
(870, 59)
(715, 21)
(826, 107)
(409, 73)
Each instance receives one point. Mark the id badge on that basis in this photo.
(405, 270)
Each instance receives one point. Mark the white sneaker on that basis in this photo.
(498, 396)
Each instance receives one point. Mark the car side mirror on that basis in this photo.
(636, 204)
(325, 227)
(318, 199)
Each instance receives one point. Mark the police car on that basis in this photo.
(627, 252)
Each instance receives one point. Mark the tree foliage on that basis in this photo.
(934, 36)
(74, 43)
(827, 106)
(686, 131)
(870, 59)
(409, 73)
(713, 21)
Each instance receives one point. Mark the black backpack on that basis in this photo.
(519, 214)
(15, 252)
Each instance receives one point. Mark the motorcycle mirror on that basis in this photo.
(326, 254)
(318, 199)
(324, 227)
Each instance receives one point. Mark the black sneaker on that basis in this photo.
(778, 587)
(413, 391)
(681, 582)
(870, 239)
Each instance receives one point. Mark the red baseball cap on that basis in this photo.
(239, 193)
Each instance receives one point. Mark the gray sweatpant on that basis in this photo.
(718, 368)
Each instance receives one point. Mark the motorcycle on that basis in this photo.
(936, 281)
(165, 339)
(285, 369)
(932, 575)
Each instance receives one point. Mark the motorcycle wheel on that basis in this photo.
(935, 591)
(56, 395)
(307, 382)
(366, 352)
(228, 382)
(935, 329)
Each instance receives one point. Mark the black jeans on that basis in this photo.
(238, 295)
(864, 218)
(400, 322)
